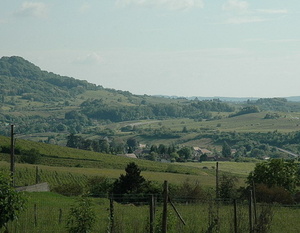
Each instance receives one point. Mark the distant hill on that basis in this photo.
(48, 107)
(39, 101)
(227, 99)
(293, 98)
(21, 78)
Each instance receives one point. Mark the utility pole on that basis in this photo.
(12, 155)
(217, 181)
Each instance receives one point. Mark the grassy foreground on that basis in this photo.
(48, 212)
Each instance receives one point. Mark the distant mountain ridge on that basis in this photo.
(20, 77)
(228, 99)
(41, 102)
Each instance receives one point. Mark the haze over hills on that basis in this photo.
(61, 110)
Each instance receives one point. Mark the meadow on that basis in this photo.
(26, 175)
(48, 212)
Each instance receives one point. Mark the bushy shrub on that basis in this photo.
(273, 194)
(11, 202)
(99, 186)
(31, 156)
(189, 191)
(228, 187)
(71, 189)
(264, 219)
(81, 217)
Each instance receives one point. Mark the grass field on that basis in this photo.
(25, 175)
(48, 212)
(236, 168)
(254, 122)
(59, 156)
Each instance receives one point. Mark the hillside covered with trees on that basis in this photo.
(61, 110)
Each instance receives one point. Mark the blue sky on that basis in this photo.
(229, 48)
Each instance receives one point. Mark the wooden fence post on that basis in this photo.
(165, 207)
(12, 155)
(235, 216)
(254, 202)
(217, 180)
(111, 209)
(152, 213)
(35, 215)
(176, 211)
(250, 212)
(37, 178)
(60, 216)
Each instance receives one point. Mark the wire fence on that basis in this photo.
(47, 212)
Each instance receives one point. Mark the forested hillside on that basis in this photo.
(40, 101)
(19, 77)
(61, 110)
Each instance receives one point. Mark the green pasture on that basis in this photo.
(235, 168)
(25, 174)
(254, 122)
(48, 212)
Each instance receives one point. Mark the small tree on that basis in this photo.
(185, 152)
(99, 185)
(132, 143)
(226, 150)
(132, 182)
(275, 173)
(11, 202)
(81, 217)
(228, 187)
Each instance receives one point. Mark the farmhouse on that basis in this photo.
(131, 155)
(200, 151)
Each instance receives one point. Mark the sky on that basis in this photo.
(208, 48)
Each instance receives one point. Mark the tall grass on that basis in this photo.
(48, 212)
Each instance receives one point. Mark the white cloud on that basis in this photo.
(235, 5)
(169, 4)
(242, 20)
(286, 41)
(84, 8)
(267, 41)
(273, 11)
(90, 59)
(32, 9)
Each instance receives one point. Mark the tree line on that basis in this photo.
(97, 109)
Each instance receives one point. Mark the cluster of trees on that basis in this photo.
(249, 145)
(103, 145)
(276, 181)
(253, 144)
(246, 110)
(273, 181)
(98, 109)
(172, 153)
(115, 146)
(74, 122)
(275, 104)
